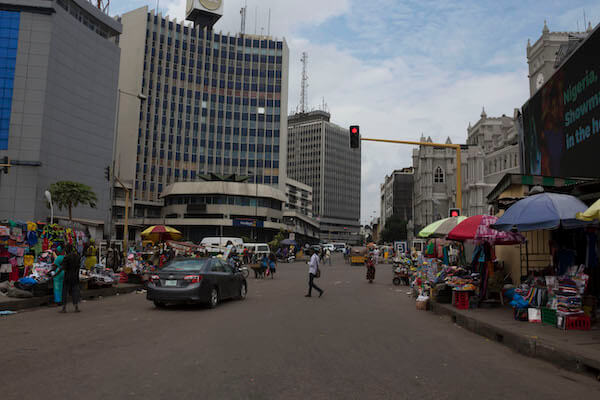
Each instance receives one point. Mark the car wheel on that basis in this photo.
(397, 281)
(213, 300)
(243, 292)
(159, 304)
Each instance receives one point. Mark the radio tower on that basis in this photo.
(243, 13)
(304, 87)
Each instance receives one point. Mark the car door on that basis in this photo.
(231, 280)
(216, 274)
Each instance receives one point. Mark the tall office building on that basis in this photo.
(196, 102)
(319, 155)
(396, 195)
(59, 66)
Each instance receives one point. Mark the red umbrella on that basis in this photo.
(478, 228)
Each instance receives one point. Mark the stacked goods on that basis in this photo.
(568, 299)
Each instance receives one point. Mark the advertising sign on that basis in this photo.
(561, 122)
(249, 223)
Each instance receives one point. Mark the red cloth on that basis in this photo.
(14, 274)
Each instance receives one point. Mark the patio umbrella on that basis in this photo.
(288, 242)
(542, 211)
(441, 228)
(161, 233)
(591, 214)
(478, 228)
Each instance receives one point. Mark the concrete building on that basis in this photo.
(194, 102)
(231, 209)
(59, 67)
(319, 155)
(298, 212)
(548, 52)
(396, 195)
(435, 183)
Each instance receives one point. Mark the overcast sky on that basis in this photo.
(399, 68)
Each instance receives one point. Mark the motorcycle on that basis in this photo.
(237, 265)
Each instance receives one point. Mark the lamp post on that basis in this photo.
(49, 198)
(141, 97)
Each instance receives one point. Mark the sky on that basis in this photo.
(402, 68)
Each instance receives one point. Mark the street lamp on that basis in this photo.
(141, 97)
(49, 198)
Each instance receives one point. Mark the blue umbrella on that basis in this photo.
(542, 211)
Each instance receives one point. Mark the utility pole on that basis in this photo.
(126, 225)
(456, 147)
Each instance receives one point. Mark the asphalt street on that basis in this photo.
(359, 341)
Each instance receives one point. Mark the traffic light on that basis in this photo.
(6, 164)
(107, 173)
(454, 212)
(354, 137)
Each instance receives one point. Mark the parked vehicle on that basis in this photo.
(196, 280)
(260, 249)
(219, 244)
(339, 247)
(358, 255)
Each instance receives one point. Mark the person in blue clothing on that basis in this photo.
(272, 264)
(58, 275)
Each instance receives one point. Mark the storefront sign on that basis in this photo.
(250, 223)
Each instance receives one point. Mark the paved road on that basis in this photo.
(359, 341)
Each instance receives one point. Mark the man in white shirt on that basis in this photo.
(313, 267)
(376, 256)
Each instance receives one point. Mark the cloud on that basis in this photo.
(402, 68)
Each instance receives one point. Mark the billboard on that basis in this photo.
(561, 122)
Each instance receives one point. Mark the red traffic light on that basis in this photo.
(454, 212)
(354, 130)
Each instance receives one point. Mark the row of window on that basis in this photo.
(245, 201)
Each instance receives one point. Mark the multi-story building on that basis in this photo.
(435, 182)
(548, 52)
(59, 66)
(194, 101)
(298, 211)
(396, 195)
(319, 155)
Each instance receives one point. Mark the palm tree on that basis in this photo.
(67, 194)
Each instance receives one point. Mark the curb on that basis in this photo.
(530, 347)
(33, 302)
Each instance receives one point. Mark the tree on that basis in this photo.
(67, 194)
(394, 230)
(274, 244)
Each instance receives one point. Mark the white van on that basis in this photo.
(259, 249)
(217, 244)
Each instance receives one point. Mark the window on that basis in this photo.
(438, 177)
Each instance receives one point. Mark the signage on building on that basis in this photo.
(561, 122)
(249, 223)
(213, 6)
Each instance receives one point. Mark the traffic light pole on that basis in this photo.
(444, 145)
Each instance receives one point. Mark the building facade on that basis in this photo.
(59, 66)
(548, 52)
(194, 102)
(319, 155)
(230, 209)
(396, 195)
(298, 212)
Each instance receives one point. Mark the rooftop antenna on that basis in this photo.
(255, 19)
(584, 20)
(304, 86)
(243, 12)
(269, 24)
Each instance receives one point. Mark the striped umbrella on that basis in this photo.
(161, 233)
(441, 228)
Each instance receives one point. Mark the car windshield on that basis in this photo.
(186, 265)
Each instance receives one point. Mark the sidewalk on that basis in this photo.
(14, 304)
(577, 351)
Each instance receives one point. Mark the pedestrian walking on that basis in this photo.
(376, 255)
(272, 264)
(328, 256)
(314, 272)
(70, 265)
(58, 276)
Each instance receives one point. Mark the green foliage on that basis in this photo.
(274, 244)
(67, 195)
(394, 230)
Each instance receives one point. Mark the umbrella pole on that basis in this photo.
(527, 255)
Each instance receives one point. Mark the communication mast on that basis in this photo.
(304, 86)
(243, 13)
